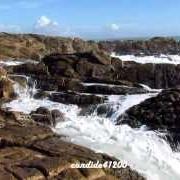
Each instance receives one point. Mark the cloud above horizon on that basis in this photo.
(45, 25)
(48, 26)
(114, 27)
(44, 22)
(125, 18)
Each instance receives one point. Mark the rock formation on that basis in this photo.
(154, 46)
(32, 46)
(29, 149)
(158, 113)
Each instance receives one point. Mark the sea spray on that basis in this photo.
(144, 150)
(162, 59)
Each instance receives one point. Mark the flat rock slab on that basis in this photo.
(29, 151)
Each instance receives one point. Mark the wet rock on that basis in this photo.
(29, 69)
(48, 117)
(103, 109)
(74, 98)
(58, 83)
(157, 113)
(41, 94)
(105, 89)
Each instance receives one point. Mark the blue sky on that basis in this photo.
(92, 18)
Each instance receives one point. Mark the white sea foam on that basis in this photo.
(149, 89)
(102, 84)
(15, 62)
(10, 63)
(121, 103)
(162, 59)
(144, 150)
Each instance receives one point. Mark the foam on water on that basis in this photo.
(26, 103)
(150, 89)
(144, 150)
(15, 63)
(10, 63)
(162, 59)
(121, 103)
(101, 84)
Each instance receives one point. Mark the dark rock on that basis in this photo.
(41, 94)
(58, 83)
(86, 67)
(158, 113)
(44, 116)
(154, 75)
(30, 69)
(102, 109)
(74, 98)
(79, 65)
(105, 89)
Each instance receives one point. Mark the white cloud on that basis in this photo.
(44, 22)
(114, 27)
(45, 25)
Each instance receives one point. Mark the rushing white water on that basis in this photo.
(15, 63)
(149, 89)
(26, 103)
(162, 59)
(144, 150)
(121, 103)
(101, 84)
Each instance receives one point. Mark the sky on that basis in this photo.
(92, 19)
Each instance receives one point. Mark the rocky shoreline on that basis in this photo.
(80, 73)
(31, 150)
(148, 47)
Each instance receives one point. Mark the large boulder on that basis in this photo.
(77, 64)
(160, 112)
(157, 113)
